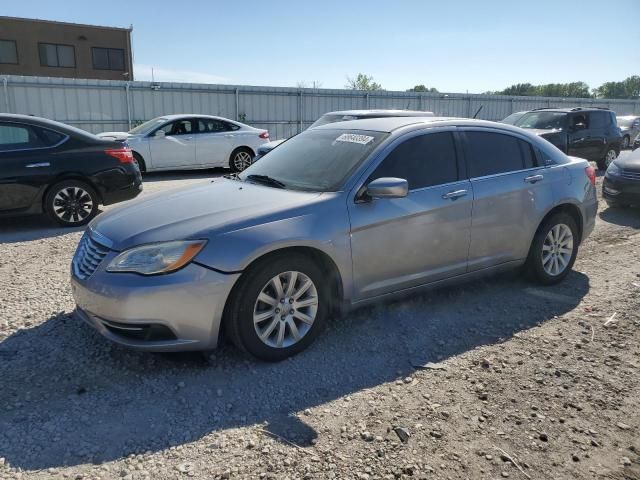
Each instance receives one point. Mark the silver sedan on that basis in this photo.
(339, 216)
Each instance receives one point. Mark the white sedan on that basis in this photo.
(175, 142)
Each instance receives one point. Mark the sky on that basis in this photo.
(454, 45)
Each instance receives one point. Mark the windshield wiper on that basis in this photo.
(267, 180)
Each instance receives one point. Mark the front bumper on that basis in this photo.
(621, 190)
(125, 307)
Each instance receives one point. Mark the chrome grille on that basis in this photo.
(630, 174)
(88, 256)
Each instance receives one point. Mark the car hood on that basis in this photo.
(630, 162)
(114, 135)
(199, 211)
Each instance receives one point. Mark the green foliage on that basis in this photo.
(570, 90)
(628, 88)
(422, 88)
(363, 82)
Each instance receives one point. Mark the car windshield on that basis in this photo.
(625, 121)
(542, 120)
(513, 118)
(316, 160)
(146, 127)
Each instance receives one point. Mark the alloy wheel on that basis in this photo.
(72, 204)
(557, 249)
(241, 161)
(610, 157)
(286, 309)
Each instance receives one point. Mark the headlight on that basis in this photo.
(157, 258)
(613, 169)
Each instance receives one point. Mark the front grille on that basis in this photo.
(88, 256)
(630, 174)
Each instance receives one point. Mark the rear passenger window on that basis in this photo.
(491, 153)
(48, 137)
(423, 161)
(599, 119)
(18, 137)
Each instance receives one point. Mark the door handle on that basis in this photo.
(534, 178)
(38, 165)
(454, 194)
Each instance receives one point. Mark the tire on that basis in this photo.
(626, 141)
(244, 305)
(609, 156)
(139, 161)
(540, 265)
(240, 159)
(71, 203)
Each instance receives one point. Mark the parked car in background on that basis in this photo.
(513, 118)
(346, 115)
(341, 215)
(53, 168)
(630, 128)
(178, 142)
(621, 184)
(590, 133)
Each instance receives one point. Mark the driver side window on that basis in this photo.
(424, 161)
(579, 119)
(179, 127)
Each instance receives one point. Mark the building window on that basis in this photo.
(8, 52)
(108, 58)
(52, 55)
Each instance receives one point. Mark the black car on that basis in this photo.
(590, 133)
(49, 167)
(621, 185)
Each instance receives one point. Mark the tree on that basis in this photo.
(628, 88)
(572, 90)
(422, 88)
(362, 82)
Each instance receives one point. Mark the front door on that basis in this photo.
(176, 148)
(424, 237)
(511, 195)
(581, 140)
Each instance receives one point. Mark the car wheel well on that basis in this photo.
(79, 178)
(324, 261)
(141, 162)
(571, 210)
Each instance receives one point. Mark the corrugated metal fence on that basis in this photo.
(107, 105)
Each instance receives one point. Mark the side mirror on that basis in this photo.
(388, 187)
(159, 133)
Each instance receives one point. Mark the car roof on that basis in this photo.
(389, 124)
(176, 116)
(382, 113)
(570, 109)
(46, 123)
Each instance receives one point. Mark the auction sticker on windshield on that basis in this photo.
(354, 138)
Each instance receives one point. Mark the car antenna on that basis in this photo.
(478, 111)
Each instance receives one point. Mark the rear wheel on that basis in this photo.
(554, 249)
(71, 203)
(139, 161)
(241, 158)
(279, 308)
(610, 155)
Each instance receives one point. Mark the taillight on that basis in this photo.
(124, 154)
(591, 173)
(264, 135)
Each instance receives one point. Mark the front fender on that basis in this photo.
(326, 231)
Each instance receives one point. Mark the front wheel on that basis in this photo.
(279, 308)
(553, 250)
(71, 203)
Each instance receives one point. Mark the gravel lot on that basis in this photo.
(518, 381)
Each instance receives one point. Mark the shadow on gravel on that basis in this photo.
(32, 227)
(68, 396)
(626, 217)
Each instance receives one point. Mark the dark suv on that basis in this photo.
(590, 133)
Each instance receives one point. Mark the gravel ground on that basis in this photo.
(517, 381)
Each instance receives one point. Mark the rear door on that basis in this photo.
(177, 148)
(404, 242)
(511, 194)
(214, 140)
(581, 139)
(26, 163)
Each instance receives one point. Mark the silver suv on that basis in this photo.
(341, 215)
